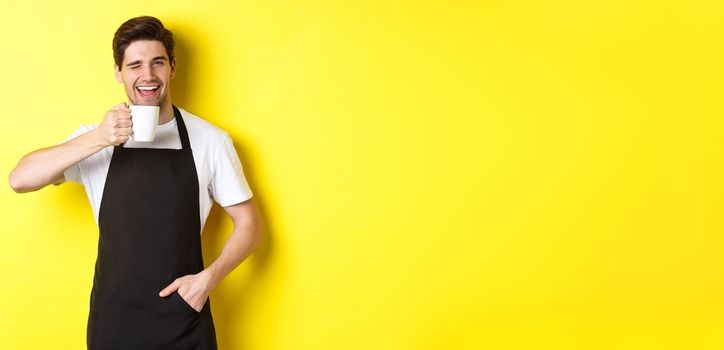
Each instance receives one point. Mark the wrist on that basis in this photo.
(212, 276)
(97, 139)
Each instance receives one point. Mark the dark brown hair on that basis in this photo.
(140, 28)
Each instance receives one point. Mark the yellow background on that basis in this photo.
(432, 175)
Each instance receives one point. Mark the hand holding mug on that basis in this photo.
(116, 126)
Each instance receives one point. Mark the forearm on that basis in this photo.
(44, 166)
(240, 244)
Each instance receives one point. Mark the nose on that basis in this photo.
(147, 73)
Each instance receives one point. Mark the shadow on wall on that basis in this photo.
(229, 300)
(180, 83)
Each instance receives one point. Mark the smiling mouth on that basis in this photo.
(147, 91)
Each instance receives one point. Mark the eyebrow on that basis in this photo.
(132, 63)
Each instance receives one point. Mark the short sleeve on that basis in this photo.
(228, 185)
(73, 173)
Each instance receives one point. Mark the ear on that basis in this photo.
(173, 67)
(119, 78)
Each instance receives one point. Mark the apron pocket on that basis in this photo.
(180, 300)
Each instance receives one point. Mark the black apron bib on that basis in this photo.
(149, 235)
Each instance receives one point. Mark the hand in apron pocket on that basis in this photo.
(175, 295)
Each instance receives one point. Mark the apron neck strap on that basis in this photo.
(182, 133)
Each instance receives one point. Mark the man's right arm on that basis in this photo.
(47, 165)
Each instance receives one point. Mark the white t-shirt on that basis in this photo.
(221, 177)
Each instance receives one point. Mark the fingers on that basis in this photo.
(115, 115)
(120, 129)
(119, 140)
(127, 131)
(122, 107)
(124, 123)
(170, 289)
(119, 118)
(123, 115)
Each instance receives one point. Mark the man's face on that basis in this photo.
(146, 73)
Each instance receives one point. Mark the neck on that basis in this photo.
(165, 114)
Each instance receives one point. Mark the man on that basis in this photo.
(150, 200)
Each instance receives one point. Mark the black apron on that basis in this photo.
(150, 231)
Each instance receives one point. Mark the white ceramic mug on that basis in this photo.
(145, 121)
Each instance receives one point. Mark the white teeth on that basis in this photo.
(147, 87)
